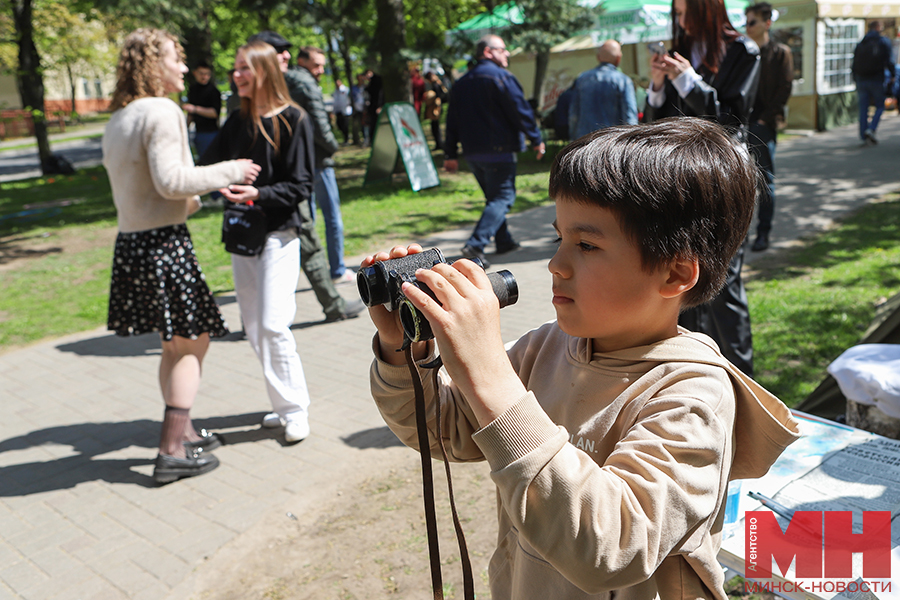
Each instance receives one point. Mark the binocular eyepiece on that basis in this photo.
(381, 284)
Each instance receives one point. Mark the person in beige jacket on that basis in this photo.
(157, 284)
(611, 432)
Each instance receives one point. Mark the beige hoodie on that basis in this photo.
(612, 471)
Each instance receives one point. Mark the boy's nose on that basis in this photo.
(556, 266)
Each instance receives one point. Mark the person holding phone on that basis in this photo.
(713, 72)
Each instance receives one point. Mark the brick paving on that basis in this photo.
(80, 516)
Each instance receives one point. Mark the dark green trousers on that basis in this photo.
(314, 262)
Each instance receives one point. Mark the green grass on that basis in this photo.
(65, 289)
(811, 304)
(807, 305)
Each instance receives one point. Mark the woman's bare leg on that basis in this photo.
(179, 380)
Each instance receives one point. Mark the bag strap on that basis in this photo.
(434, 551)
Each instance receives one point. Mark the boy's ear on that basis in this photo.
(683, 274)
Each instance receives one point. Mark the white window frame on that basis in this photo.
(835, 41)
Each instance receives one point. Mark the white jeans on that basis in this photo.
(265, 286)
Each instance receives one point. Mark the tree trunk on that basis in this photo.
(71, 87)
(335, 72)
(31, 81)
(541, 61)
(198, 43)
(344, 49)
(390, 39)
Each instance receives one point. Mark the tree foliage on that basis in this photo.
(547, 23)
(73, 43)
(550, 22)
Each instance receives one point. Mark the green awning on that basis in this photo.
(502, 16)
(629, 21)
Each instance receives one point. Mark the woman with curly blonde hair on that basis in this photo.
(157, 284)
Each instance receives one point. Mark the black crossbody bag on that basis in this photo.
(244, 229)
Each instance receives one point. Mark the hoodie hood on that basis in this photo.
(764, 426)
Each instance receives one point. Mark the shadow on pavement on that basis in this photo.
(91, 441)
(377, 437)
(113, 345)
(147, 344)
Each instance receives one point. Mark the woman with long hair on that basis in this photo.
(157, 284)
(276, 134)
(713, 72)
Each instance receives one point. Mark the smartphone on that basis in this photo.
(656, 47)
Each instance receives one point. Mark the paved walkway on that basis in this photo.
(82, 151)
(80, 516)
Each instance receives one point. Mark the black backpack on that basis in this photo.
(869, 58)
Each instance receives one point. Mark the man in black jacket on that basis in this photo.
(203, 106)
(490, 117)
(871, 59)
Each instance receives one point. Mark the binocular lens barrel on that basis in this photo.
(417, 328)
(374, 282)
(381, 283)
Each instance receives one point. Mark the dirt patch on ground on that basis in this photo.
(18, 249)
(368, 541)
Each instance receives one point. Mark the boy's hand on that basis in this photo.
(466, 326)
(390, 332)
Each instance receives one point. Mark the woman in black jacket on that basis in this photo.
(712, 72)
(277, 135)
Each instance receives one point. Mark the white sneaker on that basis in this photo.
(296, 431)
(272, 420)
(347, 276)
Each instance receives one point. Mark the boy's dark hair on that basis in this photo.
(763, 9)
(680, 188)
(202, 64)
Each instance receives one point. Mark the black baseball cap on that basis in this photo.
(273, 39)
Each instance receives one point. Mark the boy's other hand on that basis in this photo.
(466, 325)
(390, 332)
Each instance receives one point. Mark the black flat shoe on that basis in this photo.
(208, 441)
(761, 242)
(168, 468)
(511, 248)
(472, 253)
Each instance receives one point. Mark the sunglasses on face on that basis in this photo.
(752, 23)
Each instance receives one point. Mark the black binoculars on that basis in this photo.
(381, 283)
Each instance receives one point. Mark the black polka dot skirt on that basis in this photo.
(157, 285)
